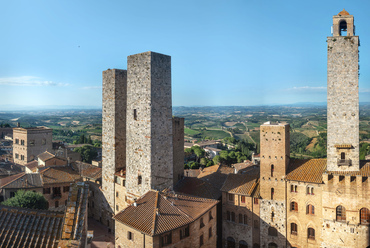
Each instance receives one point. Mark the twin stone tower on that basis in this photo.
(141, 139)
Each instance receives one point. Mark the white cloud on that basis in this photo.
(307, 89)
(91, 87)
(364, 90)
(28, 81)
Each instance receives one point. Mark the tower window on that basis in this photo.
(139, 180)
(341, 213)
(272, 170)
(272, 193)
(294, 206)
(293, 228)
(365, 216)
(310, 209)
(342, 155)
(311, 233)
(343, 28)
(135, 115)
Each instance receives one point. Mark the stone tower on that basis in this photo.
(149, 161)
(114, 129)
(275, 152)
(343, 97)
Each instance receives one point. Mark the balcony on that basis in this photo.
(344, 162)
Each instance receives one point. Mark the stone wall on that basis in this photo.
(149, 123)
(114, 130)
(353, 193)
(343, 101)
(178, 148)
(248, 232)
(303, 197)
(35, 141)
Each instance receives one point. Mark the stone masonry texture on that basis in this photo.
(343, 101)
(149, 123)
(178, 148)
(114, 129)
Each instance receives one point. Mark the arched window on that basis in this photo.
(341, 213)
(272, 193)
(296, 188)
(272, 231)
(230, 242)
(272, 245)
(272, 216)
(228, 215)
(232, 216)
(294, 206)
(272, 170)
(311, 233)
(240, 218)
(310, 209)
(343, 28)
(293, 228)
(364, 216)
(312, 191)
(243, 244)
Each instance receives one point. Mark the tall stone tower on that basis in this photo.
(149, 161)
(343, 99)
(114, 129)
(275, 153)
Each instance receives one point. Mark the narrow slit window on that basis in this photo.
(135, 115)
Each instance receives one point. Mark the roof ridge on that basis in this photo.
(155, 212)
(16, 178)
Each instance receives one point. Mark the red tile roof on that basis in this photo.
(306, 170)
(159, 212)
(59, 175)
(241, 184)
(197, 187)
(45, 156)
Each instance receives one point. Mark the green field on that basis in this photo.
(190, 132)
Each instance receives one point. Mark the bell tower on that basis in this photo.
(343, 97)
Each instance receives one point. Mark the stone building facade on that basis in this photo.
(30, 142)
(142, 142)
(313, 202)
(343, 97)
(161, 219)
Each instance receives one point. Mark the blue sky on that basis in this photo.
(223, 52)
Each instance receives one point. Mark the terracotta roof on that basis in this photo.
(191, 172)
(244, 184)
(343, 12)
(364, 170)
(159, 212)
(197, 187)
(74, 225)
(59, 175)
(21, 180)
(306, 170)
(215, 175)
(45, 156)
(89, 170)
(240, 166)
(21, 227)
(32, 165)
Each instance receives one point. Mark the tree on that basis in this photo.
(27, 199)
(87, 153)
(216, 159)
(199, 152)
(203, 162)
